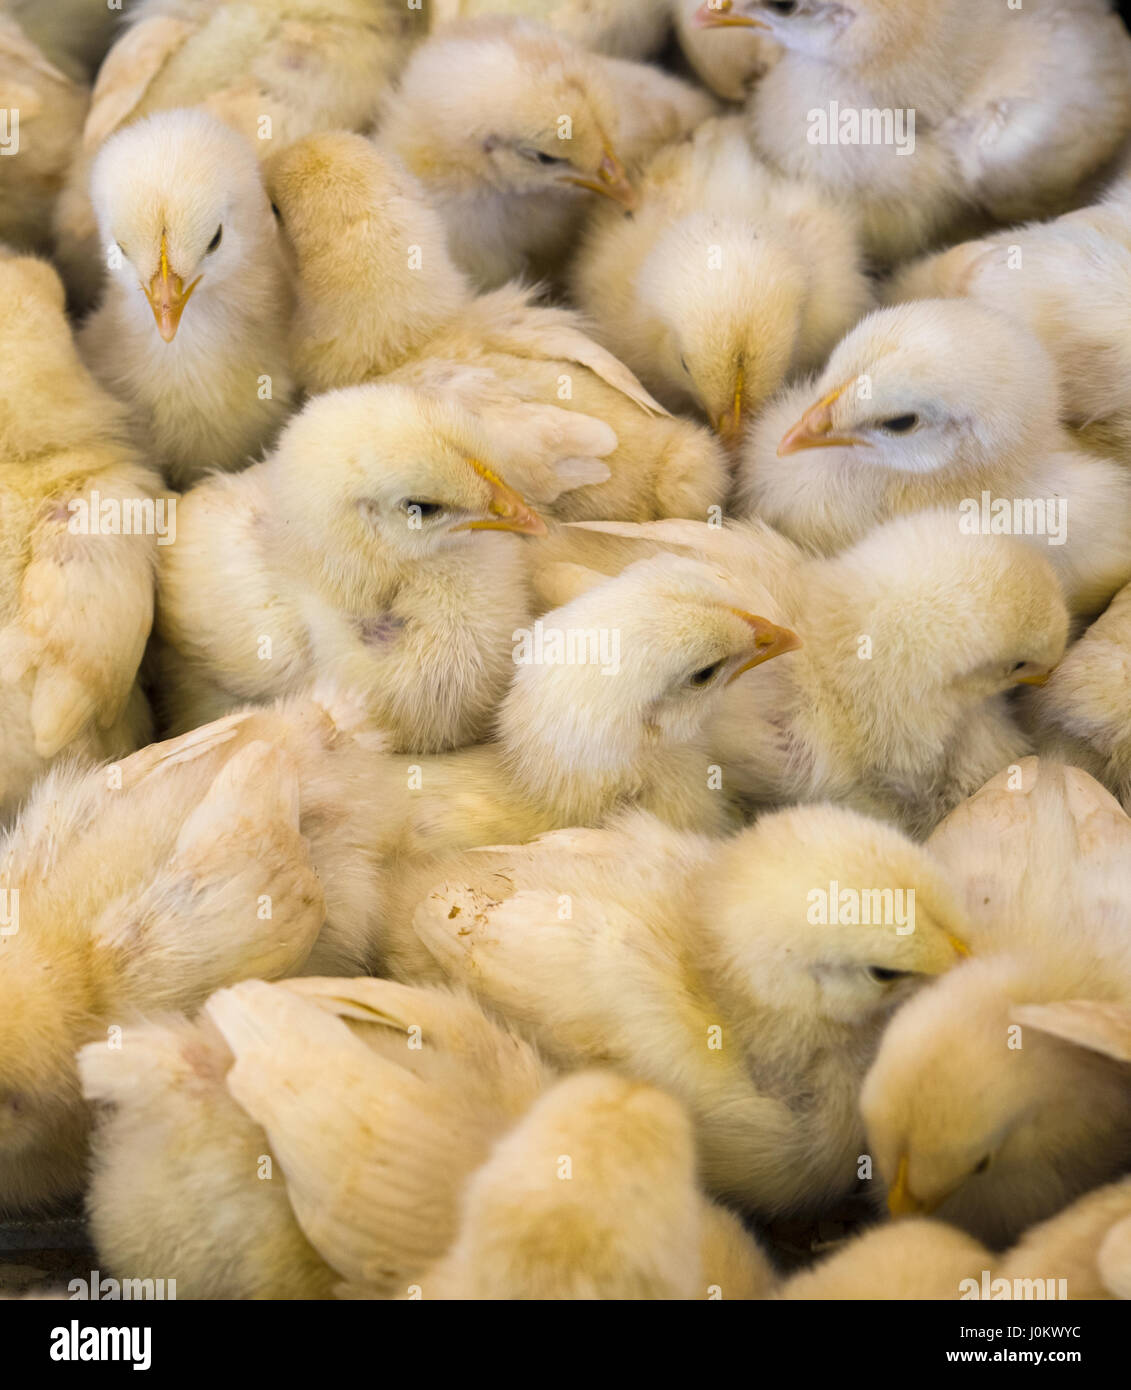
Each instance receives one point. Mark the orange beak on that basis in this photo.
(729, 424)
(612, 181)
(1041, 678)
(769, 641)
(167, 296)
(901, 1201)
(507, 510)
(815, 428)
(719, 14)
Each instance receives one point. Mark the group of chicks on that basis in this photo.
(601, 813)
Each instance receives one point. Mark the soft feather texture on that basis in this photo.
(617, 28)
(379, 295)
(76, 557)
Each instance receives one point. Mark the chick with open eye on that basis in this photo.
(726, 280)
(377, 548)
(730, 978)
(379, 295)
(191, 333)
(77, 557)
(941, 403)
(512, 177)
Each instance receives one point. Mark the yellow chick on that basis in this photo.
(591, 1196)
(760, 981)
(183, 215)
(618, 28)
(941, 403)
(912, 1259)
(379, 295)
(512, 177)
(298, 1202)
(248, 847)
(81, 521)
(45, 109)
(275, 70)
(1081, 714)
(377, 548)
(729, 63)
(1082, 1253)
(725, 281)
(881, 709)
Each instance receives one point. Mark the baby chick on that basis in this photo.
(1088, 1246)
(1014, 108)
(618, 28)
(726, 280)
(182, 210)
(76, 555)
(412, 1088)
(592, 1196)
(731, 63)
(248, 847)
(941, 403)
(512, 177)
(1082, 713)
(45, 111)
(274, 70)
(378, 294)
(898, 714)
(753, 1003)
(912, 1259)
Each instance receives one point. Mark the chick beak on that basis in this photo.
(815, 428)
(1038, 677)
(901, 1201)
(729, 424)
(612, 181)
(508, 511)
(167, 296)
(958, 946)
(719, 14)
(769, 641)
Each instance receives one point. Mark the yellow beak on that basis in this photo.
(729, 424)
(769, 641)
(959, 947)
(719, 14)
(815, 428)
(507, 510)
(901, 1202)
(1041, 678)
(167, 296)
(612, 181)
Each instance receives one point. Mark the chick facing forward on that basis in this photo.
(592, 1196)
(249, 847)
(78, 547)
(725, 281)
(329, 1126)
(378, 295)
(941, 403)
(183, 217)
(512, 177)
(732, 981)
(377, 548)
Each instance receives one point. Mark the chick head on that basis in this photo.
(988, 1123)
(550, 127)
(730, 305)
(385, 468)
(927, 386)
(631, 667)
(181, 211)
(826, 912)
(834, 31)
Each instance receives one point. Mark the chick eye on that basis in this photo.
(698, 679)
(782, 7)
(276, 214)
(541, 157)
(883, 976)
(425, 510)
(212, 245)
(683, 364)
(983, 1164)
(900, 424)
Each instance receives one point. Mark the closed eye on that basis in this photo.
(883, 976)
(705, 675)
(212, 245)
(541, 157)
(900, 424)
(424, 510)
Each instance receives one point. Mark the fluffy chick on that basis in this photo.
(718, 981)
(591, 1196)
(1081, 714)
(941, 403)
(248, 847)
(377, 547)
(76, 599)
(182, 212)
(1088, 1245)
(895, 703)
(726, 279)
(413, 1086)
(512, 178)
(45, 111)
(618, 28)
(730, 64)
(378, 294)
(1015, 109)
(274, 70)
(913, 1259)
